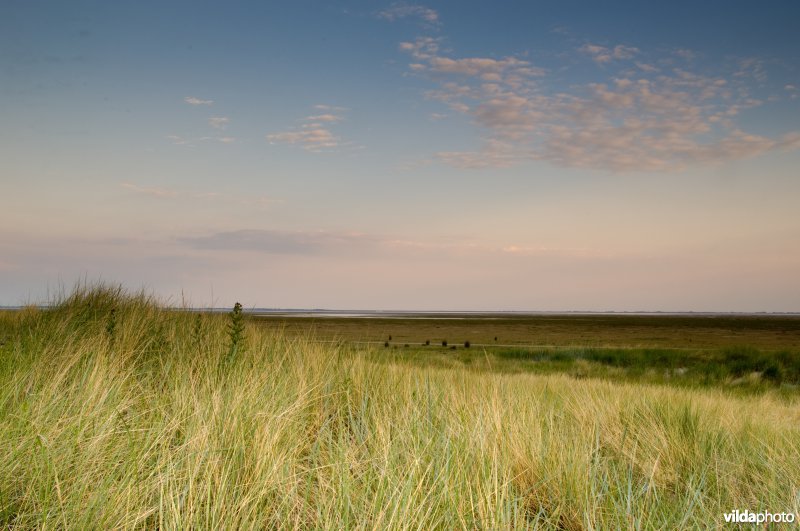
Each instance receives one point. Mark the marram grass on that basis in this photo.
(142, 418)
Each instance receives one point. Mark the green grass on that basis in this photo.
(736, 370)
(116, 413)
(686, 351)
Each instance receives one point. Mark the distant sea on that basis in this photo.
(451, 314)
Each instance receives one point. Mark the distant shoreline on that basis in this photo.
(456, 314)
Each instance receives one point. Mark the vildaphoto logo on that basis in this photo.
(765, 517)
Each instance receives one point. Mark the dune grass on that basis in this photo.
(117, 413)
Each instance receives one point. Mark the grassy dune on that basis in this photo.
(115, 413)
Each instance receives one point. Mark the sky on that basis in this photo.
(446, 155)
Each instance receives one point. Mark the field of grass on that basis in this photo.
(742, 353)
(116, 413)
(773, 332)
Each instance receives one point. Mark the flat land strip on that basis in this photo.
(742, 353)
(765, 332)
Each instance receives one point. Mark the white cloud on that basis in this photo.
(488, 69)
(683, 53)
(646, 67)
(191, 100)
(314, 134)
(602, 54)
(318, 139)
(324, 118)
(330, 108)
(752, 67)
(403, 10)
(192, 142)
(179, 140)
(422, 47)
(219, 122)
(648, 119)
(507, 69)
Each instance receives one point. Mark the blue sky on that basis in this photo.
(446, 155)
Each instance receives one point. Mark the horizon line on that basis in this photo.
(377, 312)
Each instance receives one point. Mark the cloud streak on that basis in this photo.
(602, 54)
(191, 100)
(219, 122)
(402, 10)
(150, 191)
(178, 140)
(261, 202)
(353, 243)
(311, 139)
(282, 242)
(330, 118)
(314, 133)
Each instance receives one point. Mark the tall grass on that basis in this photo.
(116, 413)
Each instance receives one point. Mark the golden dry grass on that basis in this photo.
(152, 422)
